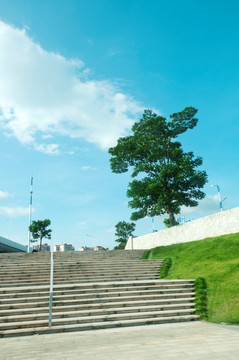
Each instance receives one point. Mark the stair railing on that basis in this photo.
(51, 288)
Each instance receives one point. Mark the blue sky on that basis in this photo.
(75, 75)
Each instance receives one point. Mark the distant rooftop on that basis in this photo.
(7, 246)
(95, 248)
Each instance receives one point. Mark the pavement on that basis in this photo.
(190, 340)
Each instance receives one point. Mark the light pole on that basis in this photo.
(219, 196)
(149, 215)
(30, 215)
(153, 224)
(51, 286)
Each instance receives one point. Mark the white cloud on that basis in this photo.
(4, 195)
(114, 51)
(81, 223)
(111, 230)
(208, 205)
(44, 94)
(14, 211)
(47, 136)
(87, 167)
(52, 149)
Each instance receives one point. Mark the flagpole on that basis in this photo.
(30, 215)
(219, 196)
(153, 224)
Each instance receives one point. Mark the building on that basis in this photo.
(64, 247)
(95, 248)
(44, 247)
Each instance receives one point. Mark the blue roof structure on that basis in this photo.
(7, 246)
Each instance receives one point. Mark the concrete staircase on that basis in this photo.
(92, 290)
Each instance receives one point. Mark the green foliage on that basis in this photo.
(146, 255)
(164, 269)
(167, 176)
(39, 230)
(121, 246)
(123, 231)
(200, 287)
(217, 261)
(167, 222)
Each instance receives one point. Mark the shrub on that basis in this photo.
(200, 287)
(146, 255)
(164, 269)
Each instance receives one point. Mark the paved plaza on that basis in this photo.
(192, 340)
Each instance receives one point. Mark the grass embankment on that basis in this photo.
(215, 259)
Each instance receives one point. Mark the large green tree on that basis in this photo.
(167, 177)
(123, 231)
(39, 230)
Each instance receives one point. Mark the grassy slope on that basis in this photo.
(217, 260)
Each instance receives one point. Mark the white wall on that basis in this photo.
(225, 222)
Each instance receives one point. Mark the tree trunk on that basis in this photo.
(172, 218)
(40, 243)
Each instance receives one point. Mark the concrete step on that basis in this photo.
(71, 262)
(106, 286)
(66, 258)
(78, 280)
(86, 301)
(97, 325)
(23, 298)
(42, 257)
(80, 288)
(78, 273)
(68, 261)
(99, 290)
(81, 268)
(92, 312)
(81, 276)
(163, 312)
(79, 306)
(187, 304)
(87, 271)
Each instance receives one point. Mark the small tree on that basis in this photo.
(39, 230)
(123, 231)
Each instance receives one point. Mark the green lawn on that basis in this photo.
(217, 260)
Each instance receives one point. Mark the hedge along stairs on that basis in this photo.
(92, 290)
